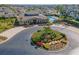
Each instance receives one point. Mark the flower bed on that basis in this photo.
(49, 39)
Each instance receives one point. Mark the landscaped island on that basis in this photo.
(49, 39)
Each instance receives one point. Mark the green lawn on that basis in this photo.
(6, 23)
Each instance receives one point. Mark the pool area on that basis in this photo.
(51, 18)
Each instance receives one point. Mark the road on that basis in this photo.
(20, 44)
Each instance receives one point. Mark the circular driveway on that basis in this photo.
(20, 44)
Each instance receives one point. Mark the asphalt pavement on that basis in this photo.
(20, 44)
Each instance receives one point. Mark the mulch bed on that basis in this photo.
(2, 38)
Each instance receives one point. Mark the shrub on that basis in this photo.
(6, 23)
(36, 37)
(38, 30)
(47, 46)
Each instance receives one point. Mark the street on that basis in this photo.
(20, 44)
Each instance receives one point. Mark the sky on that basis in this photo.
(39, 1)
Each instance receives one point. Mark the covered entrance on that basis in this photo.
(34, 21)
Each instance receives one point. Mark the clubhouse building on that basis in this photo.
(29, 19)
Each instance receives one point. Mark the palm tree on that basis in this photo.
(61, 9)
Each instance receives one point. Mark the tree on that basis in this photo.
(16, 22)
(62, 10)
